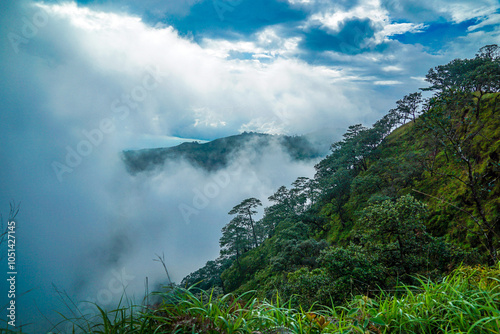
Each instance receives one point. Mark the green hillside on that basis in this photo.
(415, 194)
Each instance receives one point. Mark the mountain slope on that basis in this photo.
(388, 203)
(216, 154)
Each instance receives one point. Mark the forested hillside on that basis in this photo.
(417, 193)
(216, 154)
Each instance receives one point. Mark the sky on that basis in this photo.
(82, 81)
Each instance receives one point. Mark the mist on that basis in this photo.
(94, 236)
(87, 230)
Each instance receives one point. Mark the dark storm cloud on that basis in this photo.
(233, 19)
(349, 39)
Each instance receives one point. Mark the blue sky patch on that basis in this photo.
(436, 34)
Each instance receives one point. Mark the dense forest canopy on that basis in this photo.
(417, 193)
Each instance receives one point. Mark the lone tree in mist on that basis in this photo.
(246, 209)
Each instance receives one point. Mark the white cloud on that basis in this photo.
(208, 118)
(88, 19)
(367, 9)
(113, 51)
(392, 68)
(266, 44)
(387, 82)
(402, 28)
(336, 15)
(493, 19)
(463, 11)
(419, 79)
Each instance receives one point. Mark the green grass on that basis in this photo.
(466, 301)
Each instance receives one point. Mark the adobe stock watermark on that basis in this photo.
(221, 6)
(224, 6)
(28, 29)
(203, 195)
(120, 109)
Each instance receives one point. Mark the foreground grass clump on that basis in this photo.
(466, 301)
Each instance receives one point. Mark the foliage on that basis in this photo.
(390, 203)
(236, 238)
(466, 301)
(462, 125)
(409, 106)
(244, 212)
(480, 74)
(342, 272)
(209, 276)
(396, 231)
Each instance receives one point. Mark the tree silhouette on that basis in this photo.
(245, 210)
(409, 106)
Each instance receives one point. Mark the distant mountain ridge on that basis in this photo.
(215, 154)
